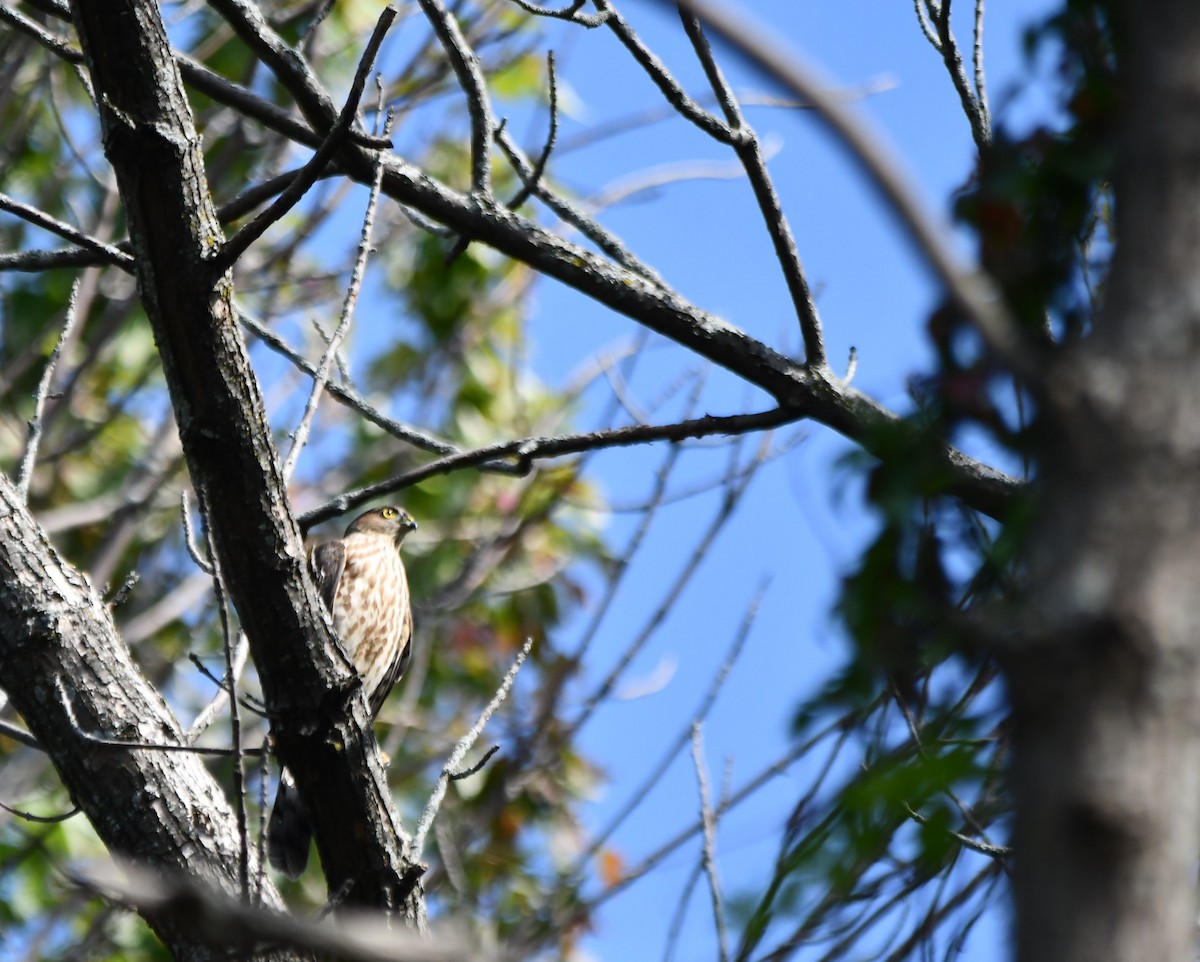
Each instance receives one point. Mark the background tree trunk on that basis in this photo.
(1106, 690)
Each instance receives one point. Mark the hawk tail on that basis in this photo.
(289, 831)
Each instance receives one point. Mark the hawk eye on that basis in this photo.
(389, 513)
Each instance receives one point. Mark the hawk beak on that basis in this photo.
(409, 525)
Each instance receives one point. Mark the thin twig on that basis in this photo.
(40, 819)
(19, 734)
(476, 768)
(621, 566)
(989, 873)
(926, 27)
(125, 744)
(734, 489)
(121, 595)
(709, 822)
(348, 397)
(998, 852)
(57, 45)
(235, 721)
(569, 12)
(417, 845)
(25, 473)
(975, 292)
(655, 775)
(539, 167)
(225, 688)
(189, 535)
(657, 71)
(528, 450)
(750, 153)
(952, 58)
(753, 785)
(681, 907)
(981, 97)
(574, 215)
(309, 36)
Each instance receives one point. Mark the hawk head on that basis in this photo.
(390, 521)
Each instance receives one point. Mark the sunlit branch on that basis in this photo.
(25, 473)
(300, 437)
(974, 291)
(451, 769)
(751, 155)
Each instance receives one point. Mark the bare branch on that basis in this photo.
(735, 487)
(657, 71)
(225, 688)
(572, 214)
(981, 97)
(952, 57)
(668, 756)
(750, 153)
(235, 720)
(308, 175)
(569, 12)
(41, 819)
(926, 26)
(55, 44)
(95, 247)
(527, 450)
(734, 800)
(351, 399)
(470, 78)
(189, 536)
(535, 176)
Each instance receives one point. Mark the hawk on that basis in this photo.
(362, 582)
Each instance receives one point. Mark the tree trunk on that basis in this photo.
(1106, 684)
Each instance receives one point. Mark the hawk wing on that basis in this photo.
(397, 667)
(328, 563)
